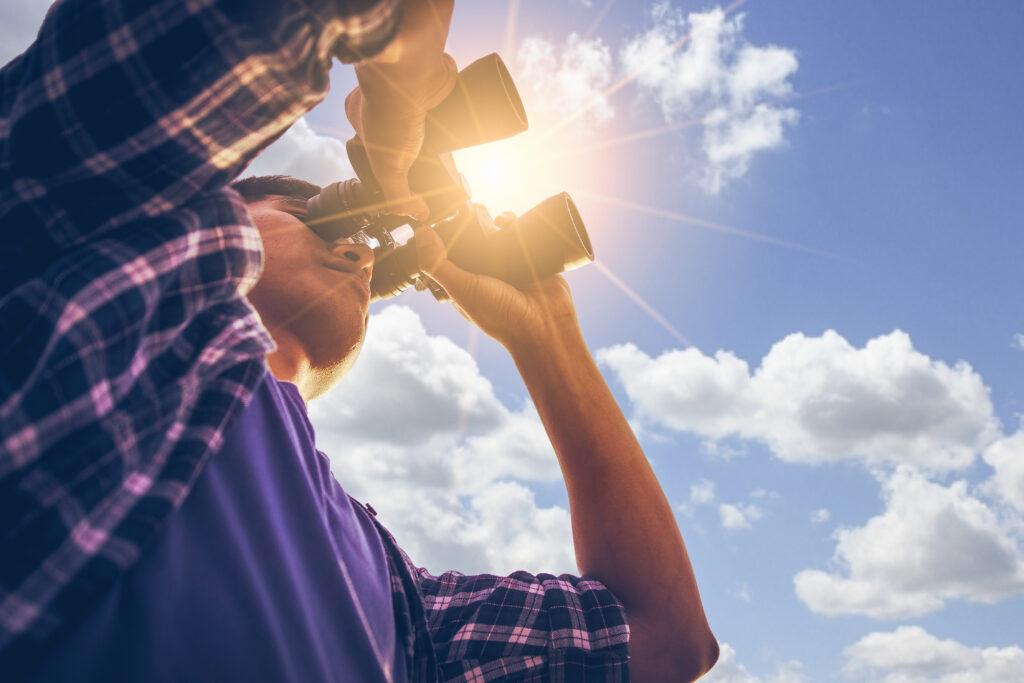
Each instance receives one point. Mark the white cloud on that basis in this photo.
(912, 655)
(819, 399)
(417, 432)
(729, 670)
(19, 23)
(733, 516)
(905, 416)
(737, 516)
(722, 450)
(933, 543)
(1018, 341)
(303, 153)
(743, 592)
(821, 515)
(731, 139)
(698, 66)
(683, 390)
(702, 492)
(496, 529)
(1006, 457)
(565, 80)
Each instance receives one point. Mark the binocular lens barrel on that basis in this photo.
(484, 106)
(548, 239)
(340, 210)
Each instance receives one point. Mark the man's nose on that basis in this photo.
(356, 252)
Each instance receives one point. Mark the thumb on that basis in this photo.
(433, 262)
(400, 197)
(354, 109)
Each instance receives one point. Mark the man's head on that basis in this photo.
(313, 296)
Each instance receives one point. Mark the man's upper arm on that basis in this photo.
(130, 108)
(537, 627)
(126, 344)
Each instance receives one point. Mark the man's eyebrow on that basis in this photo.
(292, 202)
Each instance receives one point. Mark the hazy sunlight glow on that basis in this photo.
(518, 173)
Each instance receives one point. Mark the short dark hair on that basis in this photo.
(260, 187)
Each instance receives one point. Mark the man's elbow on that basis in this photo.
(661, 653)
(697, 658)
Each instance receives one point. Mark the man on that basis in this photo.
(165, 512)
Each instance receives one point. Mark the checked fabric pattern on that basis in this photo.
(126, 344)
(525, 627)
(485, 628)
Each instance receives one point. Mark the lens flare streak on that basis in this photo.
(625, 139)
(701, 223)
(644, 306)
(628, 78)
(598, 19)
(511, 21)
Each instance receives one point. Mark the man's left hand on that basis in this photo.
(519, 319)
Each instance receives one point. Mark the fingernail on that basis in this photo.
(418, 210)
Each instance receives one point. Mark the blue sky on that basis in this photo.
(831, 401)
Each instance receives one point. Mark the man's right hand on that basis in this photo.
(396, 89)
(525, 321)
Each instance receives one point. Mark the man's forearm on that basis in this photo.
(625, 533)
(624, 530)
(396, 89)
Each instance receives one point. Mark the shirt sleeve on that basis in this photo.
(127, 109)
(126, 343)
(525, 627)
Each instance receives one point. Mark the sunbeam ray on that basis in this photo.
(371, 208)
(680, 125)
(701, 223)
(843, 85)
(633, 137)
(628, 78)
(511, 24)
(598, 19)
(639, 301)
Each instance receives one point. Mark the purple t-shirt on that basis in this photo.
(268, 572)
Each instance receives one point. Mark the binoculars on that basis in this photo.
(483, 107)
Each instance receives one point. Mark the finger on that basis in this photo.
(430, 250)
(459, 284)
(505, 219)
(390, 160)
(354, 109)
(439, 292)
(390, 156)
(401, 200)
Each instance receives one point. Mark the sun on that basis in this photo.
(497, 174)
(520, 172)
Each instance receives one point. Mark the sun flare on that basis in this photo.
(518, 173)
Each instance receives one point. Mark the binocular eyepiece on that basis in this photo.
(484, 106)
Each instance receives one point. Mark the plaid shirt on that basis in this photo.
(127, 347)
(523, 627)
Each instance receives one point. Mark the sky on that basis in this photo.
(806, 218)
